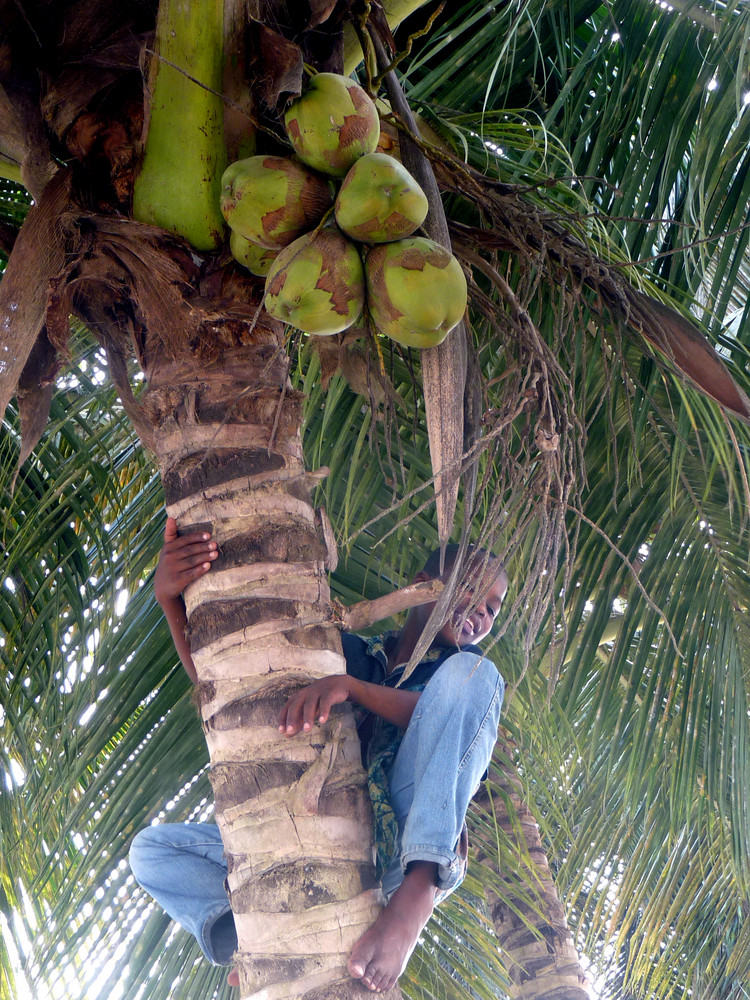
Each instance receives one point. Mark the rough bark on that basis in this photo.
(293, 813)
(531, 927)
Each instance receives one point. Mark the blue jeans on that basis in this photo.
(182, 866)
(443, 755)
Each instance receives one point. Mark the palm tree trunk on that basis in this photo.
(224, 422)
(530, 924)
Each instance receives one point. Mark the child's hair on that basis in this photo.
(476, 558)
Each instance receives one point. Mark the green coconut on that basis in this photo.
(380, 201)
(416, 291)
(317, 283)
(253, 256)
(332, 124)
(271, 200)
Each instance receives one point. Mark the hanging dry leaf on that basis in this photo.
(276, 64)
(688, 350)
(33, 409)
(37, 257)
(444, 366)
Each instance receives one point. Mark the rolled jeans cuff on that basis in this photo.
(218, 937)
(451, 869)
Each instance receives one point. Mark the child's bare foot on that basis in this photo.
(233, 979)
(381, 954)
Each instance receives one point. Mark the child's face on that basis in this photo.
(464, 629)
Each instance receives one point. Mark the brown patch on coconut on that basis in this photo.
(377, 294)
(341, 295)
(292, 127)
(271, 221)
(316, 191)
(354, 132)
(276, 282)
(365, 228)
(414, 258)
(363, 104)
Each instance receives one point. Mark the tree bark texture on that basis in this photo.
(531, 927)
(293, 813)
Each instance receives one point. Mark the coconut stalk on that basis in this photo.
(180, 179)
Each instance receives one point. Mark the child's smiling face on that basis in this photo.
(464, 629)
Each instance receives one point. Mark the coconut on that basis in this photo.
(380, 201)
(332, 124)
(416, 291)
(253, 256)
(271, 200)
(317, 283)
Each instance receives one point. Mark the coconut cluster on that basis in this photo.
(319, 274)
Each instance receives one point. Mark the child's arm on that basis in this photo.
(183, 559)
(313, 703)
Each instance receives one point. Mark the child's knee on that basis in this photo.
(470, 672)
(152, 845)
(468, 676)
(144, 848)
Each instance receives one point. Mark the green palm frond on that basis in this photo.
(646, 110)
(78, 533)
(647, 731)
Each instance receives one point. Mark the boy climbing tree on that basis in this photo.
(427, 737)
